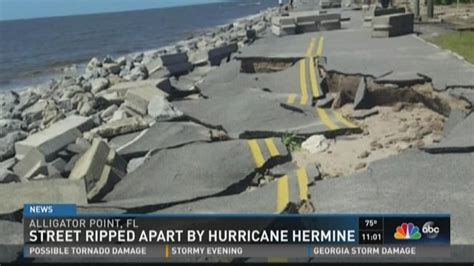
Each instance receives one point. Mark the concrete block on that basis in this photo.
(330, 25)
(304, 16)
(14, 195)
(54, 138)
(32, 164)
(173, 59)
(393, 25)
(307, 27)
(283, 31)
(139, 98)
(217, 54)
(388, 11)
(178, 69)
(283, 21)
(119, 91)
(101, 168)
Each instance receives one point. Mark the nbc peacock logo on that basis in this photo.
(407, 231)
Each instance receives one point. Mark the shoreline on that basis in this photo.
(42, 77)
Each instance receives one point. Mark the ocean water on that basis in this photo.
(34, 50)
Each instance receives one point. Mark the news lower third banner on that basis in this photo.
(60, 231)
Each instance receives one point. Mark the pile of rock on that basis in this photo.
(61, 131)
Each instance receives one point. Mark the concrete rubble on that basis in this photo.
(217, 123)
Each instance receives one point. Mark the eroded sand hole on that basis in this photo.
(266, 65)
(401, 118)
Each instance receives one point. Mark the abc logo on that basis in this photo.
(430, 230)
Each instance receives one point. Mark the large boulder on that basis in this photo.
(98, 85)
(162, 110)
(101, 168)
(10, 125)
(34, 112)
(54, 138)
(7, 144)
(122, 126)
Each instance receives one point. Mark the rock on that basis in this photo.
(94, 63)
(364, 154)
(121, 61)
(98, 85)
(139, 99)
(101, 168)
(7, 176)
(137, 58)
(107, 113)
(54, 138)
(118, 115)
(120, 127)
(27, 99)
(7, 144)
(10, 125)
(8, 101)
(315, 144)
(72, 90)
(34, 112)
(51, 114)
(113, 68)
(8, 163)
(162, 110)
(33, 164)
(360, 166)
(87, 109)
(139, 72)
(14, 195)
(362, 114)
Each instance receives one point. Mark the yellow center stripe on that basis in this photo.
(314, 81)
(272, 149)
(283, 194)
(319, 52)
(303, 85)
(343, 120)
(302, 183)
(292, 99)
(309, 51)
(167, 251)
(325, 119)
(256, 153)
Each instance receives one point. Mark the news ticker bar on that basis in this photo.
(62, 224)
(170, 251)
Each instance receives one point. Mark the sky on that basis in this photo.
(23, 9)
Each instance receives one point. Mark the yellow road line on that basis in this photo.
(313, 53)
(309, 51)
(314, 81)
(319, 52)
(343, 120)
(291, 99)
(302, 183)
(167, 251)
(256, 153)
(325, 119)
(272, 149)
(283, 194)
(303, 85)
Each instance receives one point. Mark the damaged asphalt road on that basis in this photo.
(196, 171)
(230, 151)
